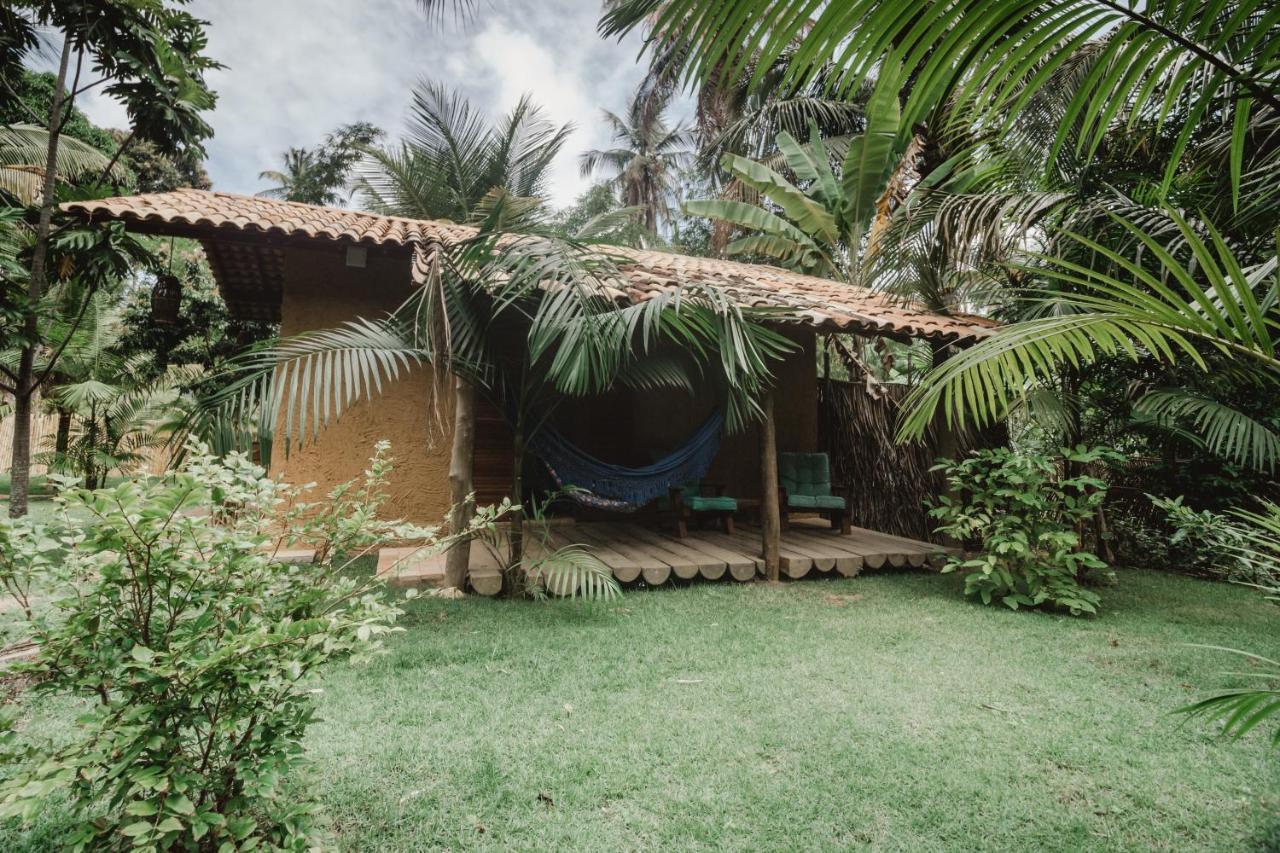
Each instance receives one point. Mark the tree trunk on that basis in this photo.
(25, 385)
(91, 446)
(770, 518)
(20, 472)
(461, 487)
(515, 553)
(63, 438)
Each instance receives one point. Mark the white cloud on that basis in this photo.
(517, 64)
(296, 69)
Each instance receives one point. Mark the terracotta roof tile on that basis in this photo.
(819, 302)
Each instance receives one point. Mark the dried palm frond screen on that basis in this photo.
(888, 484)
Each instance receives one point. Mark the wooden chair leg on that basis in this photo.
(682, 528)
(728, 523)
(846, 522)
(784, 518)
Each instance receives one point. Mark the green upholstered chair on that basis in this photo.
(804, 481)
(692, 501)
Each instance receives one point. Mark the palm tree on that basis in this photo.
(320, 175)
(645, 166)
(452, 166)
(112, 416)
(452, 163)
(298, 164)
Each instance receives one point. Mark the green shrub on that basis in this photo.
(1023, 513)
(194, 646)
(1214, 542)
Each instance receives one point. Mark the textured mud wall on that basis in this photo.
(320, 292)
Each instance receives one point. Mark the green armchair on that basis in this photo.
(804, 481)
(692, 501)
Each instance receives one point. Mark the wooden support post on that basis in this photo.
(770, 521)
(461, 486)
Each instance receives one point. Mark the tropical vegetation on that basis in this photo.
(645, 164)
(1023, 519)
(321, 175)
(149, 56)
(194, 645)
(1101, 178)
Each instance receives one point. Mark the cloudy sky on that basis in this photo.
(296, 69)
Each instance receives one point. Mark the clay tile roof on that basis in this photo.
(222, 221)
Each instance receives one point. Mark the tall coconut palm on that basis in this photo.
(645, 165)
(297, 163)
(320, 175)
(452, 165)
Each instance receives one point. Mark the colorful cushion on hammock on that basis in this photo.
(815, 501)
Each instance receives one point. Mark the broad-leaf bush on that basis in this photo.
(194, 646)
(1024, 514)
(1226, 545)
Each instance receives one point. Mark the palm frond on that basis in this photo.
(1242, 709)
(1225, 431)
(572, 571)
(24, 152)
(1149, 61)
(1121, 308)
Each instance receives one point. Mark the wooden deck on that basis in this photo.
(655, 556)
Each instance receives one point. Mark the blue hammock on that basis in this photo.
(607, 486)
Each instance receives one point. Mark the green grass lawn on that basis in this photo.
(883, 712)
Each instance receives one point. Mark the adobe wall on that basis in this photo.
(320, 292)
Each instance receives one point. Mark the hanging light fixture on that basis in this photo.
(166, 299)
(166, 295)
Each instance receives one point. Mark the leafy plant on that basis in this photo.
(1242, 709)
(1025, 515)
(1211, 539)
(195, 646)
(818, 226)
(562, 571)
